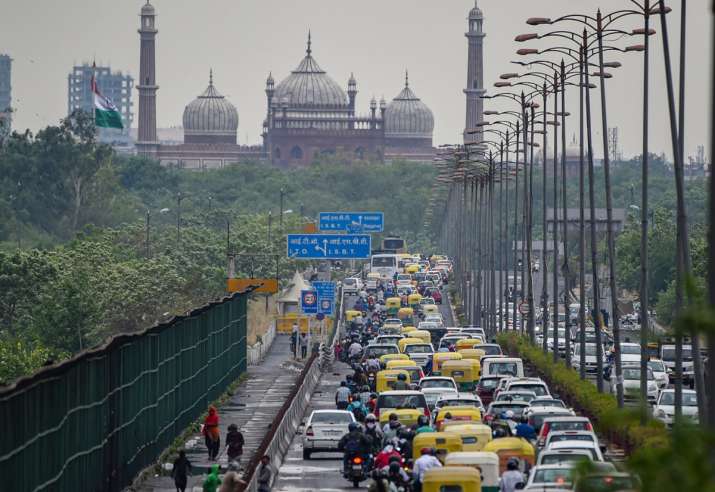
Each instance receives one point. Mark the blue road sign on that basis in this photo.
(326, 297)
(309, 302)
(329, 246)
(352, 221)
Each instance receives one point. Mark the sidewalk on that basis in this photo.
(252, 409)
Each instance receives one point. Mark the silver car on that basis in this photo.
(324, 429)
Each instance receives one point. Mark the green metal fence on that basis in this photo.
(93, 422)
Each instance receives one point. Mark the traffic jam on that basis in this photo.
(425, 406)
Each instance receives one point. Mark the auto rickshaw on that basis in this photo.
(351, 314)
(393, 304)
(465, 373)
(386, 379)
(391, 329)
(470, 353)
(407, 315)
(430, 309)
(453, 478)
(474, 436)
(512, 447)
(387, 357)
(407, 329)
(446, 441)
(439, 357)
(412, 268)
(406, 416)
(423, 335)
(463, 414)
(407, 341)
(486, 464)
(400, 363)
(413, 300)
(467, 343)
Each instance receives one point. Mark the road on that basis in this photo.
(323, 470)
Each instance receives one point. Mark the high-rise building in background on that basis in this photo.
(5, 94)
(114, 85)
(475, 74)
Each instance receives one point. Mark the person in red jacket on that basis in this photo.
(211, 433)
(383, 457)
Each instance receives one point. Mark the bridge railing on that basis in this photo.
(96, 420)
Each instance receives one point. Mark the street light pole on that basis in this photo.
(146, 240)
(565, 270)
(516, 229)
(282, 193)
(179, 198)
(555, 215)
(529, 229)
(581, 228)
(544, 264)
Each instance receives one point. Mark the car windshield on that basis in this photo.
(669, 353)
(497, 409)
(380, 351)
(689, 399)
(537, 389)
(608, 483)
(568, 425)
(383, 261)
(656, 366)
(419, 349)
(401, 401)
(505, 368)
(591, 349)
(509, 396)
(459, 403)
(349, 281)
(556, 459)
(436, 383)
(632, 373)
(489, 349)
(331, 418)
(488, 383)
(571, 437)
(547, 402)
(630, 349)
(553, 475)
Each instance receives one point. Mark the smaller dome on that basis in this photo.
(210, 118)
(148, 9)
(476, 12)
(408, 117)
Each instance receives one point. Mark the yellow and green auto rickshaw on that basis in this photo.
(423, 335)
(386, 379)
(407, 315)
(444, 441)
(393, 305)
(439, 358)
(413, 300)
(464, 414)
(465, 373)
(465, 343)
(406, 416)
(474, 436)
(412, 268)
(430, 309)
(351, 314)
(486, 464)
(409, 340)
(407, 329)
(470, 353)
(452, 478)
(388, 357)
(512, 447)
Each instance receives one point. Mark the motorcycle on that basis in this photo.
(356, 470)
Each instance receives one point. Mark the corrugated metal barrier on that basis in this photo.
(95, 421)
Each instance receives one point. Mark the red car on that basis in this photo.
(434, 294)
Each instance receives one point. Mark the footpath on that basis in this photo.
(252, 408)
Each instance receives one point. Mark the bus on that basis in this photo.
(385, 265)
(393, 243)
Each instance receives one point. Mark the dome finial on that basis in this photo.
(309, 50)
(211, 76)
(407, 78)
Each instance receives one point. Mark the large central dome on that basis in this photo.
(408, 117)
(210, 118)
(308, 86)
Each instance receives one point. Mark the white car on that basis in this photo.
(462, 399)
(421, 353)
(545, 477)
(592, 448)
(630, 352)
(590, 359)
(664, 409)
(434, 318)
(352, 285)
(324, 429)
(570, 435)
(438, 382)
(563, 456)
(433, 395)
(535, 385)
(660, 373)
(632, 383)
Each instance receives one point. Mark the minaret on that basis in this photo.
(352, 93)
(147, 143)
(475, 74)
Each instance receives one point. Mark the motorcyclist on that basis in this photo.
(397, 475)
(423, 425)
(391, 428)
(401, 383)
(373, 431)
(372, 404)
(405, 435)
(357, 408)
(511, 477)
(353, 444)
(354, 350)
(342, 396)
(372, 364)
(360, 378)
(425, 462)
(365, 394)
(382, 459)
(523, 429)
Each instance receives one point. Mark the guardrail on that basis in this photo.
(258, 351)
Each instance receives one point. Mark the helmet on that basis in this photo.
(370, 418)
(426, 451)
(402, 377)
(343, 383)
(512, 464)
(393, 416)
(353, 426)
(395, 466)
(509, 414)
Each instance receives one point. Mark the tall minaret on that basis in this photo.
(147, 143)
(475, 73)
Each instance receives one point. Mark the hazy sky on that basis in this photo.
(376, 39)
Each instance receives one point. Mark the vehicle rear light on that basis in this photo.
(426, 411)
(589, 427)
(309, 431)
(357, 460)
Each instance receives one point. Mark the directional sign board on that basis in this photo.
(329, 246)
(309, 302)
(326, 297)
(352, 221)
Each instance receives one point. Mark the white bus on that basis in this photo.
(385, 265)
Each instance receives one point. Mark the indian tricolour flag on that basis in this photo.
(106, 114)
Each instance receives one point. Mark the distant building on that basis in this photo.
(114, 85)
(5, 94)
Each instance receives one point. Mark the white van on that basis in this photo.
(503, 366)
(385, 265)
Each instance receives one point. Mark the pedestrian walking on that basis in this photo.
(181, 470)
(212, 480)
(265, 474)
(303, 345)
(234, 444)
(212, 436)
(231, 480)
